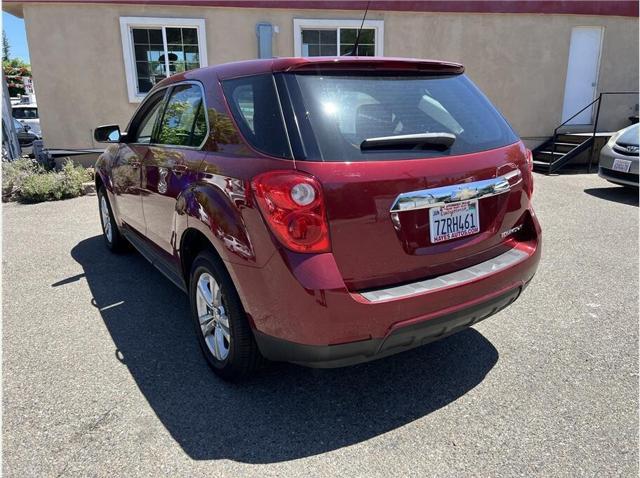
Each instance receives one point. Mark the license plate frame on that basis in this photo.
(621, 165)
(461, 219)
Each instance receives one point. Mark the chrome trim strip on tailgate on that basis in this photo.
(478, 271)
(427, 198)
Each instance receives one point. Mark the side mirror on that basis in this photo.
(107, 134)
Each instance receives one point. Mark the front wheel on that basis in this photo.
(221, 324)
(112, 237)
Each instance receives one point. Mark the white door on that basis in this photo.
(582, 74)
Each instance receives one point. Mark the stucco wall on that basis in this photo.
(519, 60)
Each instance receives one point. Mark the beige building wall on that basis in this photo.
(519, 60)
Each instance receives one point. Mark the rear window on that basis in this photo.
(255, 107)
(25, 113)
(337, 112)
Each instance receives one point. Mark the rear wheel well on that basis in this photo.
(193, 242)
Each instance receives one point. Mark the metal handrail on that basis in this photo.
(595, 125)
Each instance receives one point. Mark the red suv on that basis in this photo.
(323, 211)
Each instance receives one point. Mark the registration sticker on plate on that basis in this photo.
(621, 165)
(454, 220)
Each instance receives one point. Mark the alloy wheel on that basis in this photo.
(212, 316)
(106, 218)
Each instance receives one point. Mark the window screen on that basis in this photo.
(254, 104)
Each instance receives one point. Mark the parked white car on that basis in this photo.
(28, 114)
(619, 157)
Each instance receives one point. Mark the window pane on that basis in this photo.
(327, 50)
(174, 35)
(329, 36)
(366, 50)
(155, 36)
(319, 42)
(254, 104)
(155, 52)
(175, 53)
(348, 35)
(144, 85)
(366, 43)
(147, 56)
(191, 54)
(177, 67)
(363, 50)
(190, 36)
(142, 52)
(178, 53)
(367, 36)
(151, 57)
(311, 36)
(178, 122)
(140, 35)
(142, 68)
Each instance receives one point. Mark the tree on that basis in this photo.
(6, 48)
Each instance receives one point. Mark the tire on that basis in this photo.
(110, 231)
(225, 338)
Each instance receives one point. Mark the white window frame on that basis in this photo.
(128, 23)
(300, 24)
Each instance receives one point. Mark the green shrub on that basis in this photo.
(29, 182)
(14, 173)
(41, 187)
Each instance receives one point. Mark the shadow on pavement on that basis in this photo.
(285, 412)
(620, 194)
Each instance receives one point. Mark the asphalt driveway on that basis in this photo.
(102, 375)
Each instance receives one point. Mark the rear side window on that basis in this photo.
(25, 113)
(254, 105)
(340, 111)
(184, 119)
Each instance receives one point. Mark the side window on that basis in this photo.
(184, 120)
(143, 127)
(254, 104)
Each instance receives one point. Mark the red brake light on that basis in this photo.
(529, 157)
(293, 205)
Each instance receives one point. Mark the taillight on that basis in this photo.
(529, 158)
(293, 205)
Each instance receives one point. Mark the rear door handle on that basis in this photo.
(179, 169)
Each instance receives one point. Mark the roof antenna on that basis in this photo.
(354, 51)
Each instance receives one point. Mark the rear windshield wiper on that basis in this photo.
(438, 141)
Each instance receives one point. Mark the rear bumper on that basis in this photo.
(301, 311)
(398, 340)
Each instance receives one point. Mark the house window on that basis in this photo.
(337, 37)
(155, 48)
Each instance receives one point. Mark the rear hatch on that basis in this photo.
(421, 175)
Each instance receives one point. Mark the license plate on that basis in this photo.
(621, 165)
(455, 220)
